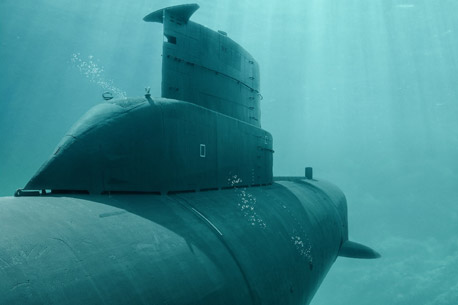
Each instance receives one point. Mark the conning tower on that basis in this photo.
(202, 134)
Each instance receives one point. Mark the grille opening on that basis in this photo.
(180, 192)
(129, 193)
(73, 192)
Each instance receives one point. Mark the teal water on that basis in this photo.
(366, 92)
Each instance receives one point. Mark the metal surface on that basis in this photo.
(146, 145)
(258, 245)
(207, 68)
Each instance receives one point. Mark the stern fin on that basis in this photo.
(355, 250)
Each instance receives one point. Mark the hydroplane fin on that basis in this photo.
(354, 250)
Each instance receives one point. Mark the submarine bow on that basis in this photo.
(171, 200)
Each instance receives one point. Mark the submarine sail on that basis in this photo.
(204, 130)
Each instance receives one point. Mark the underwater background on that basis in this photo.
(366, 92)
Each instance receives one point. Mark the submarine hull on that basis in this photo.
(272, 244)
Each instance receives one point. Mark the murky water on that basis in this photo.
(366, 92)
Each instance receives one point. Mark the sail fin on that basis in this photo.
(182, 12)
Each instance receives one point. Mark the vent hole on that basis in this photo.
(170, 39)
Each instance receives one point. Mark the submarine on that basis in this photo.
(172, 200)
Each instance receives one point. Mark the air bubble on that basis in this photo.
(94, 73)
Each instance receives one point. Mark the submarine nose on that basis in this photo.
(94, 154)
